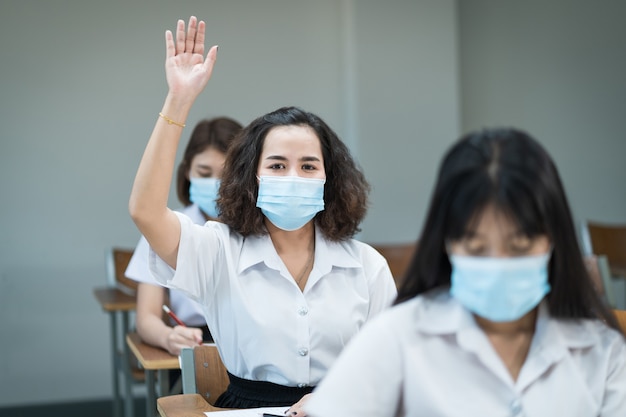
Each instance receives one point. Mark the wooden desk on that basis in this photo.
(153, 359)
(618, 269)
(184, 405)
(118, 305)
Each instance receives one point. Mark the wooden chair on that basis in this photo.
(610, 240)
(620, 315)
(598, 268)
(203, 372)
(204, 380)
(125, 363)
(398, 256)
(117, 260)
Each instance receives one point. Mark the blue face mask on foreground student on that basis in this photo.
(290, 202)
(499, 289)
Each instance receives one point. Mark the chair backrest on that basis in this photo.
(620, 315)
(398, 256)
(607, 239)
(203, 372)
(598, 267)
(117, 260)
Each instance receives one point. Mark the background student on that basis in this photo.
(497, 314)
(197, 184)
(283, 284)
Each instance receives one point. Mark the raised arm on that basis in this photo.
(187, 72)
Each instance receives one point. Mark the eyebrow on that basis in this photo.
(282, 158)
(470, 234)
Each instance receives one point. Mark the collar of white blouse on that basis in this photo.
(441, 314)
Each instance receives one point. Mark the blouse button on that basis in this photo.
(303, 351)
(516, 407)
(303, 311)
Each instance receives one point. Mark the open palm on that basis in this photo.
(186, 68)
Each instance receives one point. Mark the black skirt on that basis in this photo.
(244, 393)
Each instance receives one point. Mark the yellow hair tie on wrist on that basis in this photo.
(170, 121)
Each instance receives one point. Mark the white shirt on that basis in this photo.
(427, 357)
(189, 311)
(265, 328)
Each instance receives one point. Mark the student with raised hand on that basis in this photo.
(197, 183)
(283, 284)
(497, 315)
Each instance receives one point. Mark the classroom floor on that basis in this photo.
(99, 408)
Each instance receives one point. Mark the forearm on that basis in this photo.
(149, 195)
(153, 330)
(150, 190)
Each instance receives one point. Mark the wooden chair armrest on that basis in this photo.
(184, 405)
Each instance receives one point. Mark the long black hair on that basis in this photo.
(510, 170)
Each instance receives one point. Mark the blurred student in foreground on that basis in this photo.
(497, 315)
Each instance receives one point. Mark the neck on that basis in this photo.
(289, 241)
(525, 324)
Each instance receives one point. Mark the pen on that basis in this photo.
(173, 316)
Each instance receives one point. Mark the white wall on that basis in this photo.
(556, 69)
(80, 88)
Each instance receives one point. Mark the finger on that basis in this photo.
(191, 34)
(197, 336)
(198, 48)
(170, 51)
(180, 37)
(209, 62)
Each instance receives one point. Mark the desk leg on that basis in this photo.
(128, 378)
(164, 382)
(150, 393)
(115, 363)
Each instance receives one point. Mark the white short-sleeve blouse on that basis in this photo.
(427, 357)
(265, 328)
(189, 311)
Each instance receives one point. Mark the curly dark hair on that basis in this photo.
(345, 191)
(216, 133)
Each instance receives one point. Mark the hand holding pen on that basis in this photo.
(181, 336)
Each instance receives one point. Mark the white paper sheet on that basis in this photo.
(248, 412)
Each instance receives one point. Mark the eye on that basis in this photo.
(277, 166)
(470, 246)
(520, 244)
(308, 167)
(474, 246)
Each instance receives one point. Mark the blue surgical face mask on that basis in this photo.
(499, 289)
(203, 192)
(290, 202)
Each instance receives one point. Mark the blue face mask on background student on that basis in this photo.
(290, 202)
(203, 192)
(499, 289)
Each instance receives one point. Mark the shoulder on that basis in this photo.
(579, 333)
(207, 231)
(362, 251)
(193, 212)
(401, 317)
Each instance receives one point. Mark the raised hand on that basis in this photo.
(187, 70)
